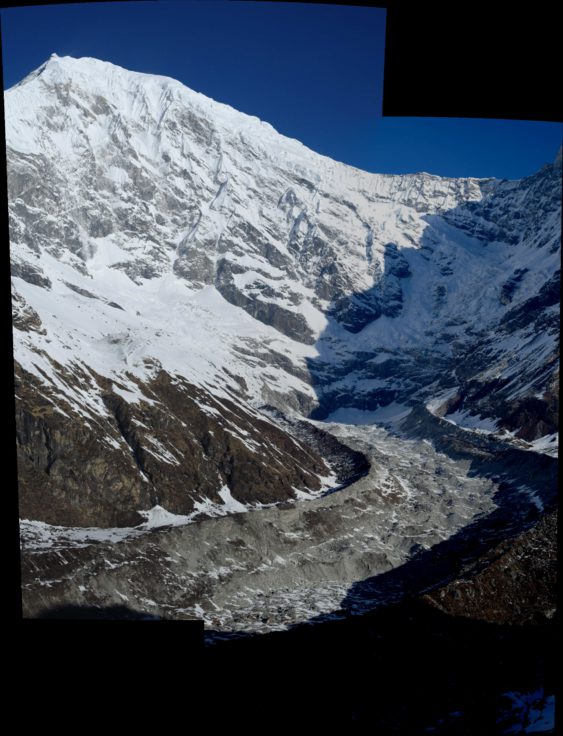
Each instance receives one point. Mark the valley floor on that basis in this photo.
(435, 498)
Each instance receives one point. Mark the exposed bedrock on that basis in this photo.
(175, 449)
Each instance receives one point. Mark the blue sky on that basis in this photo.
(315, 72)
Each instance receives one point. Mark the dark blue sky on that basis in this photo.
(315, 72)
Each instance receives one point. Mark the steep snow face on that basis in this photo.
(155, 230)
(140, 174)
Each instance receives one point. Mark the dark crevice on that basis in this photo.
(122, 416)
(51, 454)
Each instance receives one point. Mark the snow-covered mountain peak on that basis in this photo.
(155, 232)
(129, 92)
